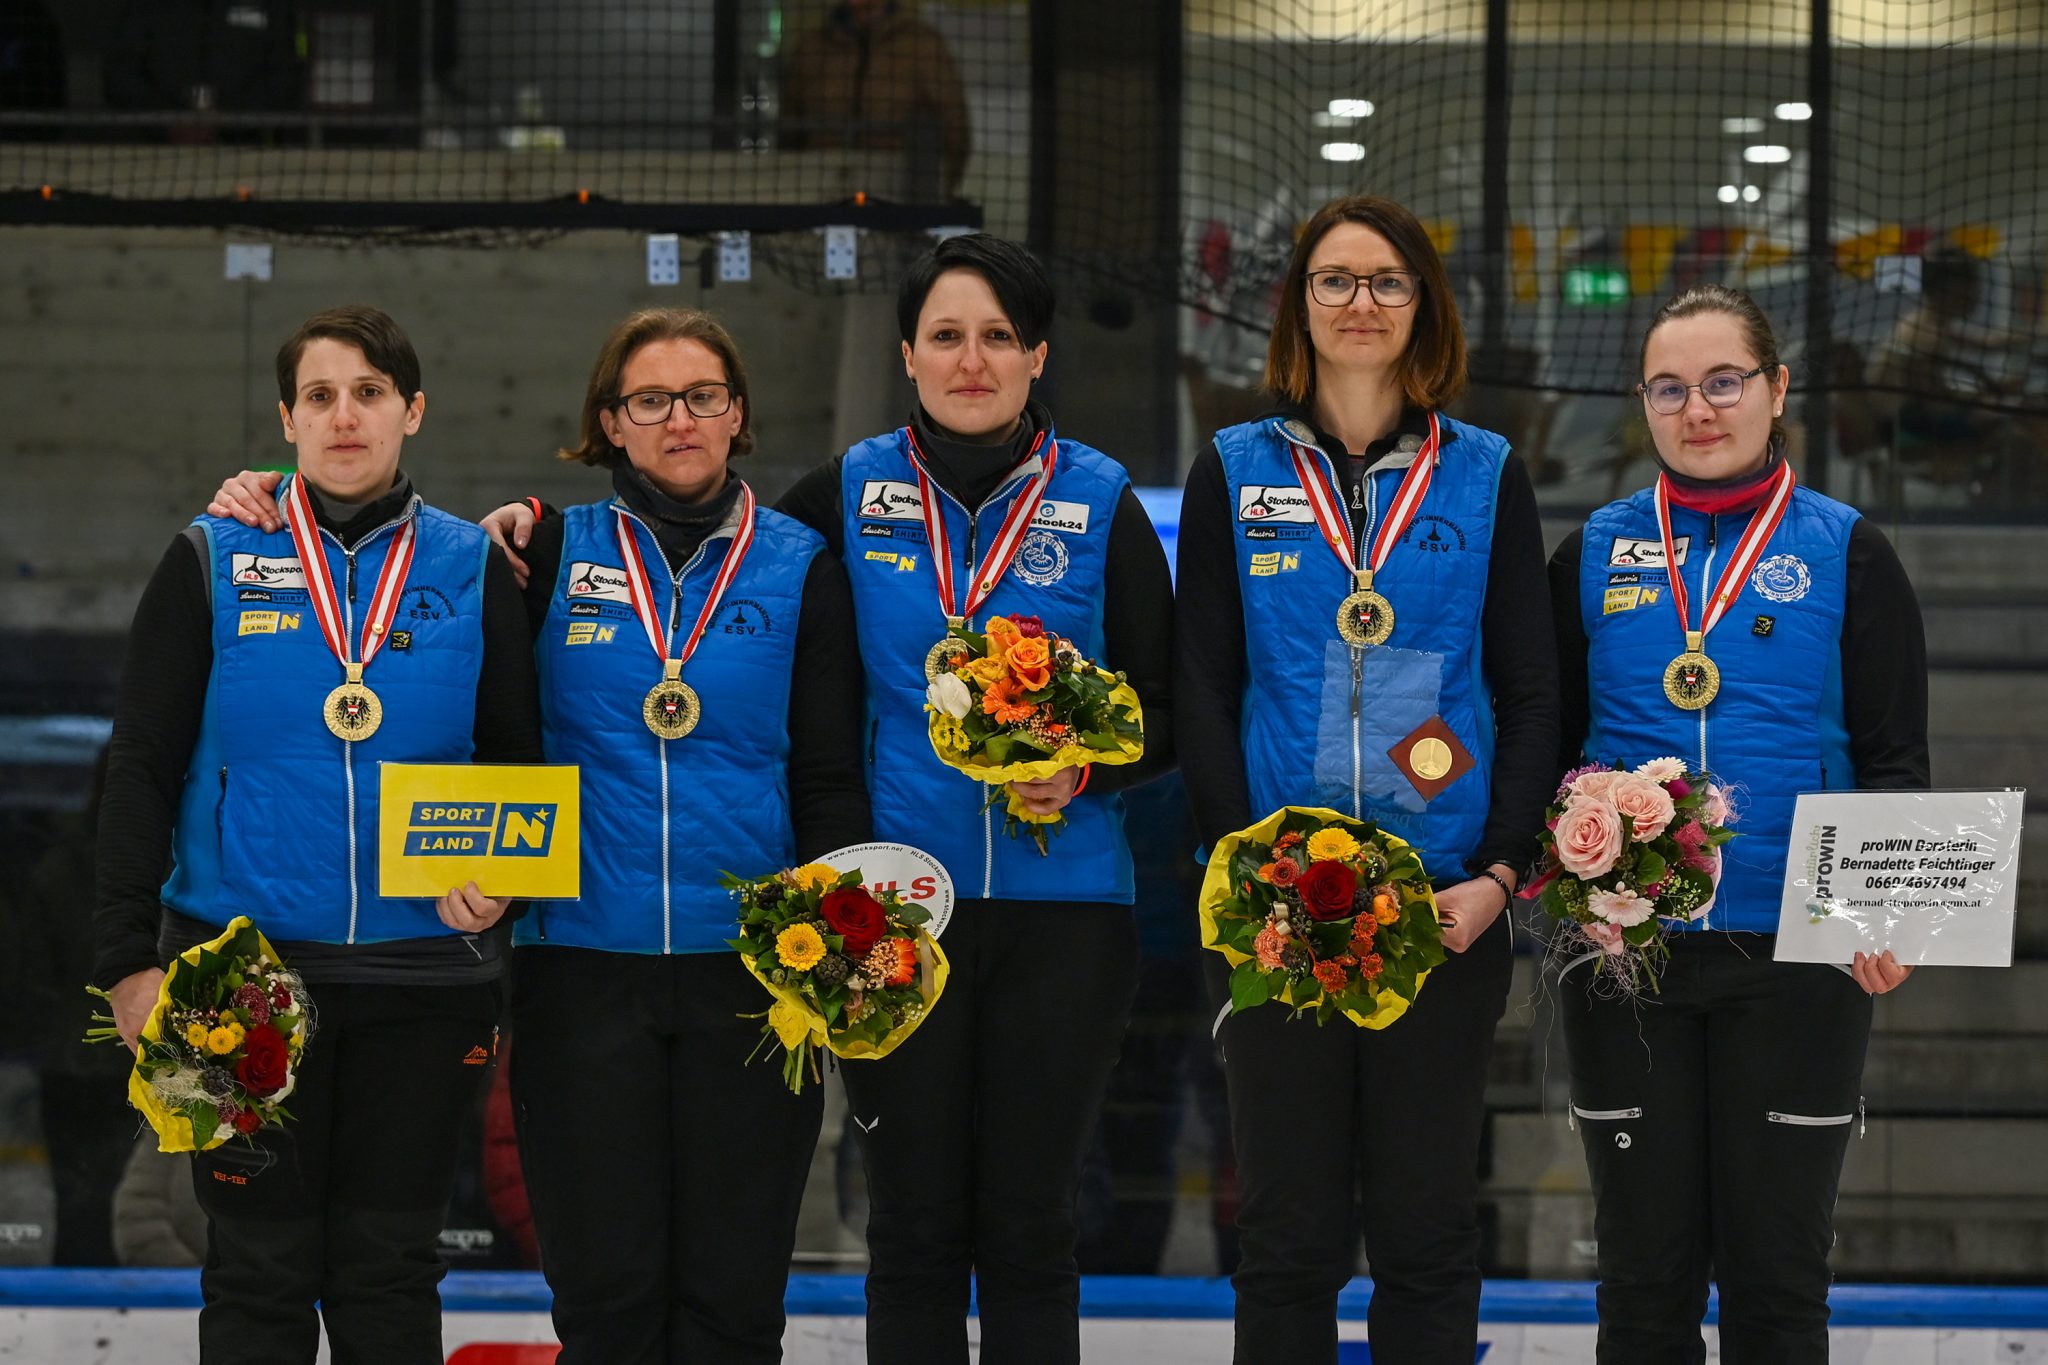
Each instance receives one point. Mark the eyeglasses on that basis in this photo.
(1722, 388)
(1390, 288)
(651, 407)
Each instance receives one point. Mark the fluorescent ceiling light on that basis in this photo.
(1742, 125)
(1750, 194)
(1766, 155)
(1343, 151)
(1793, 113)
(1727, 194)
(1351, 108)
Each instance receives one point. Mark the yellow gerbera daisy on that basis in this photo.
(1327, 844)
(800, 947)
(220, 1042)
(195, 1035)
(813, 877)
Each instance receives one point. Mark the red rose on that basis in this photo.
(248, 1121)
(1030, 627)
(856, 917)
(265, 1061)
(1327, 888)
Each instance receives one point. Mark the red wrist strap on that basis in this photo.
(1082, 785)
(538, 514)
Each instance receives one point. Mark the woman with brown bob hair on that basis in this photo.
(1360, 594)
(697, 659)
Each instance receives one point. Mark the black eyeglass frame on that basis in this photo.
(623, 403)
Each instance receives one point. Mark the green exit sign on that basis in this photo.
(1596, 288)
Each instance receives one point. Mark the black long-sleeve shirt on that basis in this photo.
(157, 716)
(1211, 666)
(1884, 662)
(828, 798)
(1137, 605)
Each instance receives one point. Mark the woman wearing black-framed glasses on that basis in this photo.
(1716, 1113)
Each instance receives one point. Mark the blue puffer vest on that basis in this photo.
(1321, 720)
(1776, 728)
(279, 818)
(1056, 576)
(662, 818)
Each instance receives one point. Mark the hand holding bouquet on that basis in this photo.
(220, 1052)
(1324, 913)
(1625, 855)
(1017, 704)
(851, 970)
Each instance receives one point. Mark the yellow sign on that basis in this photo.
(511, 829)
(267, 622)
(1627, 599)
(1274, 562)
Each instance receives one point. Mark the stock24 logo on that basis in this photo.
(507, 829)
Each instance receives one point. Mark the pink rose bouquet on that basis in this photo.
(1628, 854)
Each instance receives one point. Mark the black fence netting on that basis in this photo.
(1872, 170)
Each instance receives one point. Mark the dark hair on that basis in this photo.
(370, 330)
(1432, 370)
(1018, 281)
(1719, 298)
(640, 329)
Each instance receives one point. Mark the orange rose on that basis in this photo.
(1002, 634)
(1031, 663)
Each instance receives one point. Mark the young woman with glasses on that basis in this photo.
(697, 658)
(1361, 589)
(1716, 1113)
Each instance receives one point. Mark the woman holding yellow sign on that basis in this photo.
(269, 675)
(1362, 632)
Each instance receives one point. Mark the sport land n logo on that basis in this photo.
(511, 829)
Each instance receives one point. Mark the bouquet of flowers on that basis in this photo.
(851, 970)
(1018, 704)
(1324, 913)
(1626, 854)
(220, 1052)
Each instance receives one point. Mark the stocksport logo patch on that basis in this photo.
(1259, 503)
(266, 571)
(1782, 578)
(590, 582)
(1041, 559)
(1634, 552)
(888, 500)
(1070, 518)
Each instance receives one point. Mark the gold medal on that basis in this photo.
(671, 709)
(352, 710)
(935, 658)
(1431, 758)
(1365, 617)
(1692, 679)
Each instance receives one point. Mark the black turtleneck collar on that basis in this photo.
(1414, 422)
(970, 469)
(349, 522)
(678, 526)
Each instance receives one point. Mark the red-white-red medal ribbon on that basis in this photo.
(298, 517)
(640, 587)
(1319, 483)
(996, 562)
(1748, 551)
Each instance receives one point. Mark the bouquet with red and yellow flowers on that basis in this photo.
(220, 1051)
(1018, 704)
(851, 970)
(1324, 913)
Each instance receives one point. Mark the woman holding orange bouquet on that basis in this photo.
(975, 510)
(1362, 626)
(1770, 637)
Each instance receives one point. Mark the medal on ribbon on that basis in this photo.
(1365, 616)
(959, 612)
(1691, 679)
(672, 708)
(352, 711)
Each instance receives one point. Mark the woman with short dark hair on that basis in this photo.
(1359, 597)
(974, 1129)
(260, 699)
